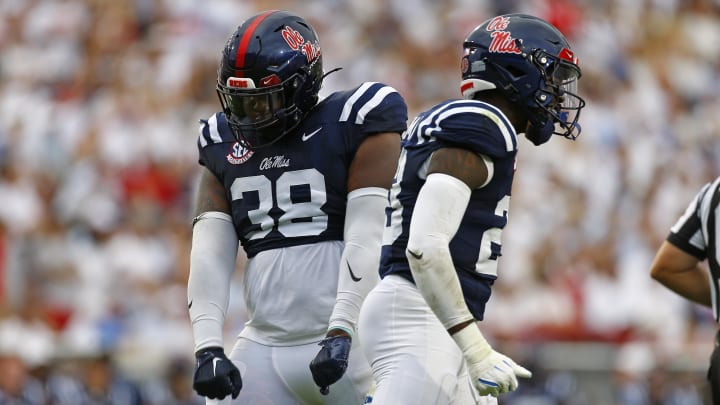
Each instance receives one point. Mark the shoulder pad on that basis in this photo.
(478, 126)
(376, 106)
(214, 130)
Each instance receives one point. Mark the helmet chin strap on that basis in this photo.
(538, 132)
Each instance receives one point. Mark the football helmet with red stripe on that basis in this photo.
(269, 77)
(530, 62)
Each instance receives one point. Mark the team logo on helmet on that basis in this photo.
(502, 41)
(296, 42)
(238, 154)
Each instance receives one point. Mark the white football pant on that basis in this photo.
(414, 360)
(281, 376)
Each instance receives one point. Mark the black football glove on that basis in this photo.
(331, 362)
(215, 375)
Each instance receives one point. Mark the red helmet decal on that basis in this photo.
(271, 80)
(293, 38)
(502, 41)
(247, 36)
(296, 42)
(240, 83)
(568, 55)
(498, 23)
(466, 86)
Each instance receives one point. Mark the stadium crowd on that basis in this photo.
(99, 109)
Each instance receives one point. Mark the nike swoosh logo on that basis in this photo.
(305, 137)
(215, 362)
(488, 382)
(352, 275)
(190, 304)
(415, 255)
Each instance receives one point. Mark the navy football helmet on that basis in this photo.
(530, 62)
(269, 77)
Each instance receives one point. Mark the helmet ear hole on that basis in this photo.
(514, 72)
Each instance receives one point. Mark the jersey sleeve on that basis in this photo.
(475, 126)
(213, 131)
(375, 108)
(686, 234)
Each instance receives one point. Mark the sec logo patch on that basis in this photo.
(238, 154)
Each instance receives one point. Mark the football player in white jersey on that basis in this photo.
(448, 205)
(677, 265)
(301, 184)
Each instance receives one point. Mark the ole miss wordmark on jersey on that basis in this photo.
(475, 248)
(295, 191)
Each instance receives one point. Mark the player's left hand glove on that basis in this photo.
(215, 375)
(331, 362)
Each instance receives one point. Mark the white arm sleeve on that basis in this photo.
(212, 262)
(364, 224)
(438, 212)
(440, 207)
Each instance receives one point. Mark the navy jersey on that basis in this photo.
(295, 191)
(475, 248)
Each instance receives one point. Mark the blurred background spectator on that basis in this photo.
(99, 103)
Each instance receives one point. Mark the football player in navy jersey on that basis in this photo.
(302, 184)
(448, 206)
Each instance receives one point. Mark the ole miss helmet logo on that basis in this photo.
(502, 41)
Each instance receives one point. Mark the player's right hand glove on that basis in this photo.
(330, 363)
(215, 375)
(492, 373)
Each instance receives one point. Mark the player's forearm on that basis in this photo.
(212, 261)
(438, 283)
(438, 212)
(364, 225)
